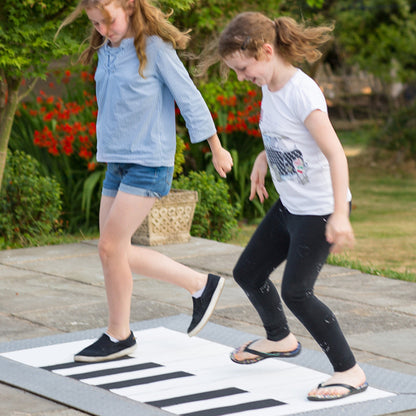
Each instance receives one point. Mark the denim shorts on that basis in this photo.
(137, 180)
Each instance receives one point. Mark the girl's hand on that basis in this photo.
(222, 161)
(257, 176)
(221, 158)
(339, 233)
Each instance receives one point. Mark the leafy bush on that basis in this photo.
(30, 204)
(215, 216)
(399, 133)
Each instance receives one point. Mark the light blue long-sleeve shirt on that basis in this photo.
(136, 115)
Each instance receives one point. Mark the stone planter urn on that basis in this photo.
(169, 221)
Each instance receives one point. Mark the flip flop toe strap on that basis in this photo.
(260, 353)
(352, 389)
(272, 354)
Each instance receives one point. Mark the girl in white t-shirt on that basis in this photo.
(309, 170)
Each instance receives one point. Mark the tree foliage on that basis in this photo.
(27, 46)
(379, 36)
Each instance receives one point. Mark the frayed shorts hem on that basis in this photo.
(130, 190)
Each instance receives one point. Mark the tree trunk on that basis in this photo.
(6, 122)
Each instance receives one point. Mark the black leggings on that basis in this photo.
(300, 240)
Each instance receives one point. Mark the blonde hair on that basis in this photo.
(249, 31)
(146, 20)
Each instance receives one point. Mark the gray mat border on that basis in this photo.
(100, 402)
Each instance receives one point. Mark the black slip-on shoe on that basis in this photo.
(105, 350)
(205, 305)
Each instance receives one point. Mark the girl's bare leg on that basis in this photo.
(119, 219)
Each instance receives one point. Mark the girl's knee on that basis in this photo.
(240, 275)
(106, 247)
(293, 295)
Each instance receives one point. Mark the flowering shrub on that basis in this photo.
(231, 119)
(59, 131)
(68, 127)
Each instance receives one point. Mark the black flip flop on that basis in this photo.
(351, 390)
(263, 355)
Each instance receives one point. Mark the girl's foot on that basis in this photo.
(204, 305)
(105, 350)
(353, 379)
(260, 349)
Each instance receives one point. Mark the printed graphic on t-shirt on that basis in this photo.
(285, 164)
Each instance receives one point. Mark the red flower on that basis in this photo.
(77, 127)
(85, 153)
(232, 101)
(84, 139)
(67, 145)
(48, 116)
(53, 150)
(221, 99)
(228, 128)
(91, 129)
(66, 128)
(231, 116)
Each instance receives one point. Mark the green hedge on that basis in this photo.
(215, 216)
(30, 204)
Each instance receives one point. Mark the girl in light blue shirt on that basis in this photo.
(139, 78)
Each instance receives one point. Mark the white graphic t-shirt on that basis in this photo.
(299, 169)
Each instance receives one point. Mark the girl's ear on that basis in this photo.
(267, 51)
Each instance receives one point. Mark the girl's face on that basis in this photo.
(247, 68)
(114, 24)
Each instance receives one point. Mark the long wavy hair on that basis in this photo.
(145, 19)
(249, 31)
